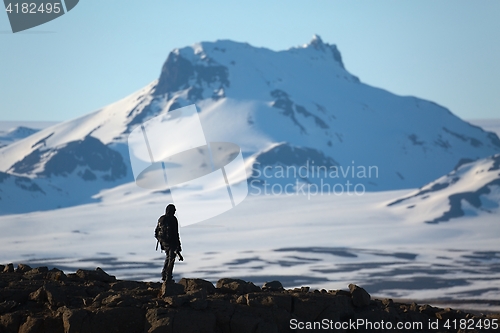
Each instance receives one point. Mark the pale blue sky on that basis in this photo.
(447, 51)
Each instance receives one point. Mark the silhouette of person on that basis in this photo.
(167, 234)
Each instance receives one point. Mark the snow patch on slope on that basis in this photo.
(472, 189)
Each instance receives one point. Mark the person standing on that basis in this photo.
(167, 234)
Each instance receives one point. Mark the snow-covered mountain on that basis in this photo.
(298, 108)
(15, 134)
(472, 188)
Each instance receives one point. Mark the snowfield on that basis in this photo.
(325, 242)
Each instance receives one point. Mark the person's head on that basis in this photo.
(170, 210)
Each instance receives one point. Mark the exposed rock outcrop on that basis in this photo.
(36, 300)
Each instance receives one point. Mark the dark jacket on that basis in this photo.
(167, 232)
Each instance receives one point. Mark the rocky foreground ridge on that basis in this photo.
(42, 300)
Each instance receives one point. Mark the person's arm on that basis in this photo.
(178, 236)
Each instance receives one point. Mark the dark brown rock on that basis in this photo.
(414, 307)
(159, 321)
(97, 275)
(56, 275)
(281, 317)
(266, 300)
(84, 304)
(9, 268)
(236, 286)
(171, 289)
(23, 268)
(76, 321)
(53, 324)
(97, 301)
(311, 306)
(446, 314)
(272, 286)
(339, 293)
(177, 300)
(198, 299)
(39, 296)
(223, 313)
(55, 295)
(6, 306)
(244, 322)
(32, 325)
(38, 324)
(388, 302)
(197, 284)
(198, 303)
(360, 298)
(190, 320)
(10, 322)
(39, 270)
(118, 320)
(38, 273)
(127, 285)
(394, 314)
(428, 310)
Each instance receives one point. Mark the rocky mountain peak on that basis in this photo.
(318, 44)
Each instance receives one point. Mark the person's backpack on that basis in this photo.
(161, 231)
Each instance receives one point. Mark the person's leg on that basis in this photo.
(169, 264)
(165, 265)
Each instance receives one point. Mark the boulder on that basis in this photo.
(76, 320)
(159, 320)
(197, 284)
(39, 270)
(360, 298)
(9, 268)
(97, 275)
(10, 322)
(55, 296)
(39, 324)
(236, 286)
(38, 273)
(171, 289)
(39, 296)
(446, 314)
(272, 286)
(23, 268)
(32, 325)
(56, 275)
(177, 300)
